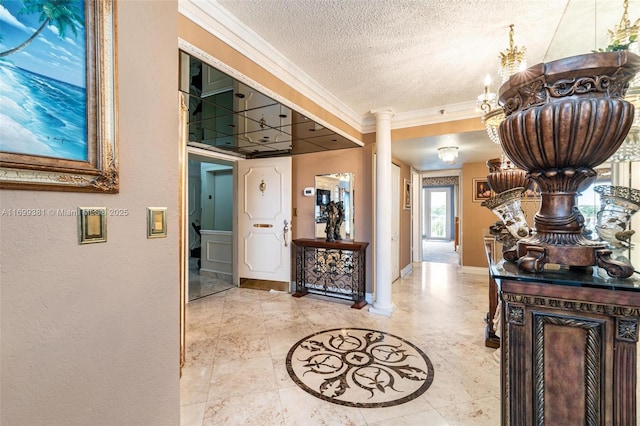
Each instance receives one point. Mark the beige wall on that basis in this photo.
(90, 334)
(475, 218)
(307, 166)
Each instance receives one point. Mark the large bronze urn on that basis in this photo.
(503, 177)
(509, 183)
(563, 118)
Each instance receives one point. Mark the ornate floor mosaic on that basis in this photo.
(357, 367)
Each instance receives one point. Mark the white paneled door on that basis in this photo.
(264, 222)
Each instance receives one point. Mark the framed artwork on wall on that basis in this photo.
(481, 190)
(407, 194)
(57, 82)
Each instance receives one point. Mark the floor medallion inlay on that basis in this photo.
(357, 367)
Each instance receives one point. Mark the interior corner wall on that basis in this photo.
(475, 218)
(90, 333)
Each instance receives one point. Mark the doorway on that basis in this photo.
(210, 227)
(438, 240)
(438, 213)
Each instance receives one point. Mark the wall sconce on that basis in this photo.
(448, 154)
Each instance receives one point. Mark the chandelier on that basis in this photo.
(512, 60)
(448, 154)
(625, 37)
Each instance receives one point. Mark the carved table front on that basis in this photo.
(335, 269)
(568, 347)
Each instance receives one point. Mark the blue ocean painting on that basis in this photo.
(43, 104)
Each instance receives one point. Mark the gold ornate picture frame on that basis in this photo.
(481, 190)
(97, 170)
(407, 194)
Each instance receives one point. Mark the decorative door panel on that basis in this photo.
(257, 206)
(256, 259)
(264, 222)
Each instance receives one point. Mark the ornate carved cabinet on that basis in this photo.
(568, 347)
(335, 269)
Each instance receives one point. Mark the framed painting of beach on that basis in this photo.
(57, 89)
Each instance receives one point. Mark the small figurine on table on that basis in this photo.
(339, 220)
(332, 216)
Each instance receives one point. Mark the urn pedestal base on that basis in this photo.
(534, 255)
(569, 347)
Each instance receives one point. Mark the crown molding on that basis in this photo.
(441, 114)
(215, 19)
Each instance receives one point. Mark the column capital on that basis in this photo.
(389, 112)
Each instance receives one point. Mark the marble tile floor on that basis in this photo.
(203, 285)
(238, 340)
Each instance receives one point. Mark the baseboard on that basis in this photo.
(264, 284)
(406, 270)
(216, 274)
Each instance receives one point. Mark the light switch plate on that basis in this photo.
(92, 225)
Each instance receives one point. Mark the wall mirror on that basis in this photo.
(336, 187)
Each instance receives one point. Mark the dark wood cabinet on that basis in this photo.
(335, 269)
(568, 342)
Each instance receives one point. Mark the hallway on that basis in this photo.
(238, 340)
(440, 251)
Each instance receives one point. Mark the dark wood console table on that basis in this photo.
(335, 269)
(569, 341)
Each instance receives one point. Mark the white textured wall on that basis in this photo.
(90, 334)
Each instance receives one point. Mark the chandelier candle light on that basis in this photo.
(512, 60)
(625, 37)
(507, 181)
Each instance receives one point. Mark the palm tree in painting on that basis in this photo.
(63, 14)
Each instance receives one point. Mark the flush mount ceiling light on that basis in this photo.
(448, 154)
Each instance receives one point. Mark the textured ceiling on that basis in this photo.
(420, 57)
(408, 55)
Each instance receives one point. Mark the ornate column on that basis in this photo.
(382, 282)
